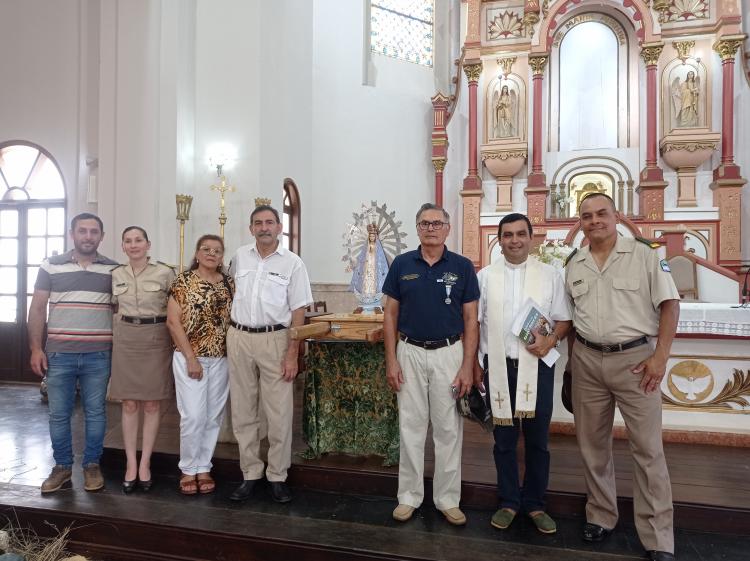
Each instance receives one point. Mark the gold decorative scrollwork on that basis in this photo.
(650, 53)
(538, 64)
(727, 48)
(689, 146)
(473, 71)
(683, 49)
(736, 391)
(504, 155)
(439, 164)
(506, 64)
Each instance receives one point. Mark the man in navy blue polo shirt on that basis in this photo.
(431, 335)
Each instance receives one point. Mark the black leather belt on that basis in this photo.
(430, 345)
(142, 321)
(616, 348)
(264, 329)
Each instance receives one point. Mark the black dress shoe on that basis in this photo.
(128, 486)
(280, 491)
(145, 486)
(244, 491)
(660, 555)
(594, 533)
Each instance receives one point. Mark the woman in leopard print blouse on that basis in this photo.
(200, 300)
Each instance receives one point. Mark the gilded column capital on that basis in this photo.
(650, 53)
(683, 48)
(538, 64)
(473, 71)
(439, 164)
(727, 46)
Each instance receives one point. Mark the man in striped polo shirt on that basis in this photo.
(78, 287)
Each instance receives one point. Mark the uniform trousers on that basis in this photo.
(255, 377)
(201, 406)
(424, 397)
(599, 381)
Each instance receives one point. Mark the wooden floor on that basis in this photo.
(700, 474)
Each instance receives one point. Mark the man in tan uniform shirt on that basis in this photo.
(623, 296)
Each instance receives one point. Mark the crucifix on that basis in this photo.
(526, 392)
(222, 188)
(499, 400)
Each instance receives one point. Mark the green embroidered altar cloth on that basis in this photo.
(348, 406)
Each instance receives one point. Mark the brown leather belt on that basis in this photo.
(615, 348)
(143, 321)
(264, 329)
(430, 345)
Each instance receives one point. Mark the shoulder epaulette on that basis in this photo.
(649, 243)
(118, 266)
(167, 265)
(570, 257)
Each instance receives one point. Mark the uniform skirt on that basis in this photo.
(141, 362)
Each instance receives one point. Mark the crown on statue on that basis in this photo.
(260, 201)
(372, 228)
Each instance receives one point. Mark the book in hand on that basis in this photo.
(529, 319)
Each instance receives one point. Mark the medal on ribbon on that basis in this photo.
(449, 279)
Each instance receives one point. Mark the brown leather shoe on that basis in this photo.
(58, 477)
(92, 477)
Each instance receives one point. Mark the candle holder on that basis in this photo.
(183, 215)
(222, 188)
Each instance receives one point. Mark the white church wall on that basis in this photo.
(228, 80)
(370, 142)
(45, 83)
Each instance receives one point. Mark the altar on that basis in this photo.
(347, 405)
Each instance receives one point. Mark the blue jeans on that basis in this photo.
(91, 372)
(530, 497)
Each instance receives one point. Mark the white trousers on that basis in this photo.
(201, 406)
(426, 396)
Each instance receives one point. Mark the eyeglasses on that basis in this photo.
(212, 251)
(436, 225)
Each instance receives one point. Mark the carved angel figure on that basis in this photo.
(505, 113)
(685, 99)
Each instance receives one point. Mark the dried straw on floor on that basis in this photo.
(26, 542)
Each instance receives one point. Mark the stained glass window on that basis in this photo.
(402, 29)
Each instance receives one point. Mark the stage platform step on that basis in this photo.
(316, 526)
(329, 478)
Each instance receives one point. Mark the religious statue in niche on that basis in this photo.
(372, 241)
(685, 101)
(505, 123)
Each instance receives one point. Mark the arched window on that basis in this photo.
(32, 222)
(32, 227)
(290, 217)
(403, 30)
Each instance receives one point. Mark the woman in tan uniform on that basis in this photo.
(141, 350)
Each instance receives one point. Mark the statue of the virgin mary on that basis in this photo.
(370, 272)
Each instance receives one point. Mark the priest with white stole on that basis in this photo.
(519, 384)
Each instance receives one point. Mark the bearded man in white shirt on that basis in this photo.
(272, 290)
(519, 384)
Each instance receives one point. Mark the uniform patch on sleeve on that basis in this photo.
(665, 266)
(410, 276)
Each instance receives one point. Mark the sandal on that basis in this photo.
(188, 484)
(206, 484)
